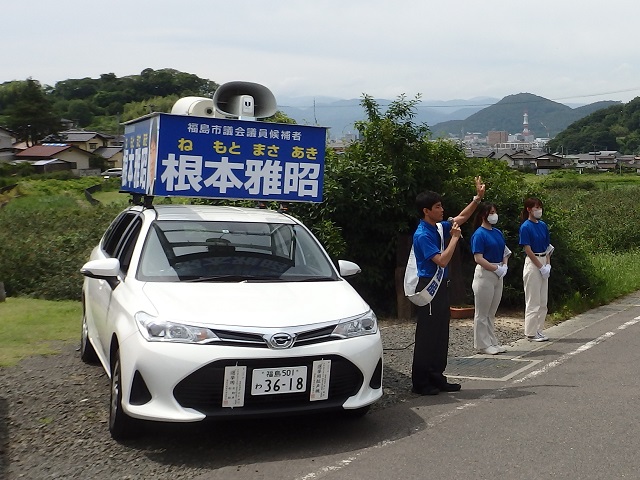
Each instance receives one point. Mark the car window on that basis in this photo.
(197, 250)
(125, 248)
(114, 234)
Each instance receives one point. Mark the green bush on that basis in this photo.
(602, 221)
(8, 172)
(588, 224)
(573, 182)
(45, 240)
(48, 233)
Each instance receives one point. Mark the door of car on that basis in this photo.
(118, 243)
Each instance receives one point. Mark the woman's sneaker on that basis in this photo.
(490, 350)
(538, 337)
(501, 349)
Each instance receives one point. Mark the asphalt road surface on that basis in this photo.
(567, 408)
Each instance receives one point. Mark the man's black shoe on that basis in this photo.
(426, 390)
(450, 387)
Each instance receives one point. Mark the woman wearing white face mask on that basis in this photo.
(491, 254)
(535, 240)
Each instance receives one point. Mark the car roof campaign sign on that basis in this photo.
(187, 156)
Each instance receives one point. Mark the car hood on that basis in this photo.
(255, 304)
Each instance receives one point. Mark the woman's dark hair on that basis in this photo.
(529, 203)
(482, 213)
(426, 199)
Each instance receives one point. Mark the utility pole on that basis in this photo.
(547, 130)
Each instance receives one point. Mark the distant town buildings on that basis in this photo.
(76, 150)
(524, 151)
(69, 150)
(515, 141)
(497, 137)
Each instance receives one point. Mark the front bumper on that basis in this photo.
(184, 382)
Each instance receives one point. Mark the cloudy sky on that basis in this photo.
(568, 51)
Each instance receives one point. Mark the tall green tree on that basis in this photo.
(370, 191)
(30, 114)
(368, 214)
(80, 112)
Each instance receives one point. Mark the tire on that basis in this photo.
(87, 352)
(121, 425)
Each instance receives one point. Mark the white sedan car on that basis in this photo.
(112, 172)
(203, 311)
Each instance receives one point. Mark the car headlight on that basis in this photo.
(366, 324)
(154, 329)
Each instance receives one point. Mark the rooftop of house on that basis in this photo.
(107, 152)
(43, 150)
(47, 150)
(78, 136)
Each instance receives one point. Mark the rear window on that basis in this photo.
(232, 251)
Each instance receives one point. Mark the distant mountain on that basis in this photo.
(546, 117)
(340, 115)
(304, 101)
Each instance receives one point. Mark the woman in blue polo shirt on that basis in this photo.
(491, 255)
(535, 240)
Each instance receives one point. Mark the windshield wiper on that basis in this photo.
(313, 279)
(232, 278)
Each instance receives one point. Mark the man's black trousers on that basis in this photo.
(432, 339)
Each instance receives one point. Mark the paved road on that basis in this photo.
(567, 409)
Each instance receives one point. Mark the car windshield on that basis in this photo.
(200, 251)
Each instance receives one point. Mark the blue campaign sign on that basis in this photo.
(186, 156)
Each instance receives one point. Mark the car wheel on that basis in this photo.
(87, 352)
(121, 425)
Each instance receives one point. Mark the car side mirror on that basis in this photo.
(347, 268)
(105, 269)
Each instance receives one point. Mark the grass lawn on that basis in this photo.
(112, 197)
(620, 272)
(35, 327)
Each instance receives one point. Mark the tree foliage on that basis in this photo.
(370, 190)
(28, 111)
(368, 209)
(99, 104)
(613, 128)
(92, 102)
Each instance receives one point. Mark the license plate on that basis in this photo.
(320, 376)
(269, 381)
(234, 383)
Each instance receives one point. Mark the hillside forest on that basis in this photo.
(34, 111)
(614, 128)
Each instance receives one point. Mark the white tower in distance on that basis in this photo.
(525, 125)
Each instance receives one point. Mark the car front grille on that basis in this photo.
(318, 335)
(256, 340)
(244, 339)
(203, 389)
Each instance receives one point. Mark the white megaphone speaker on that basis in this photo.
(244, 100)
(194, 106)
